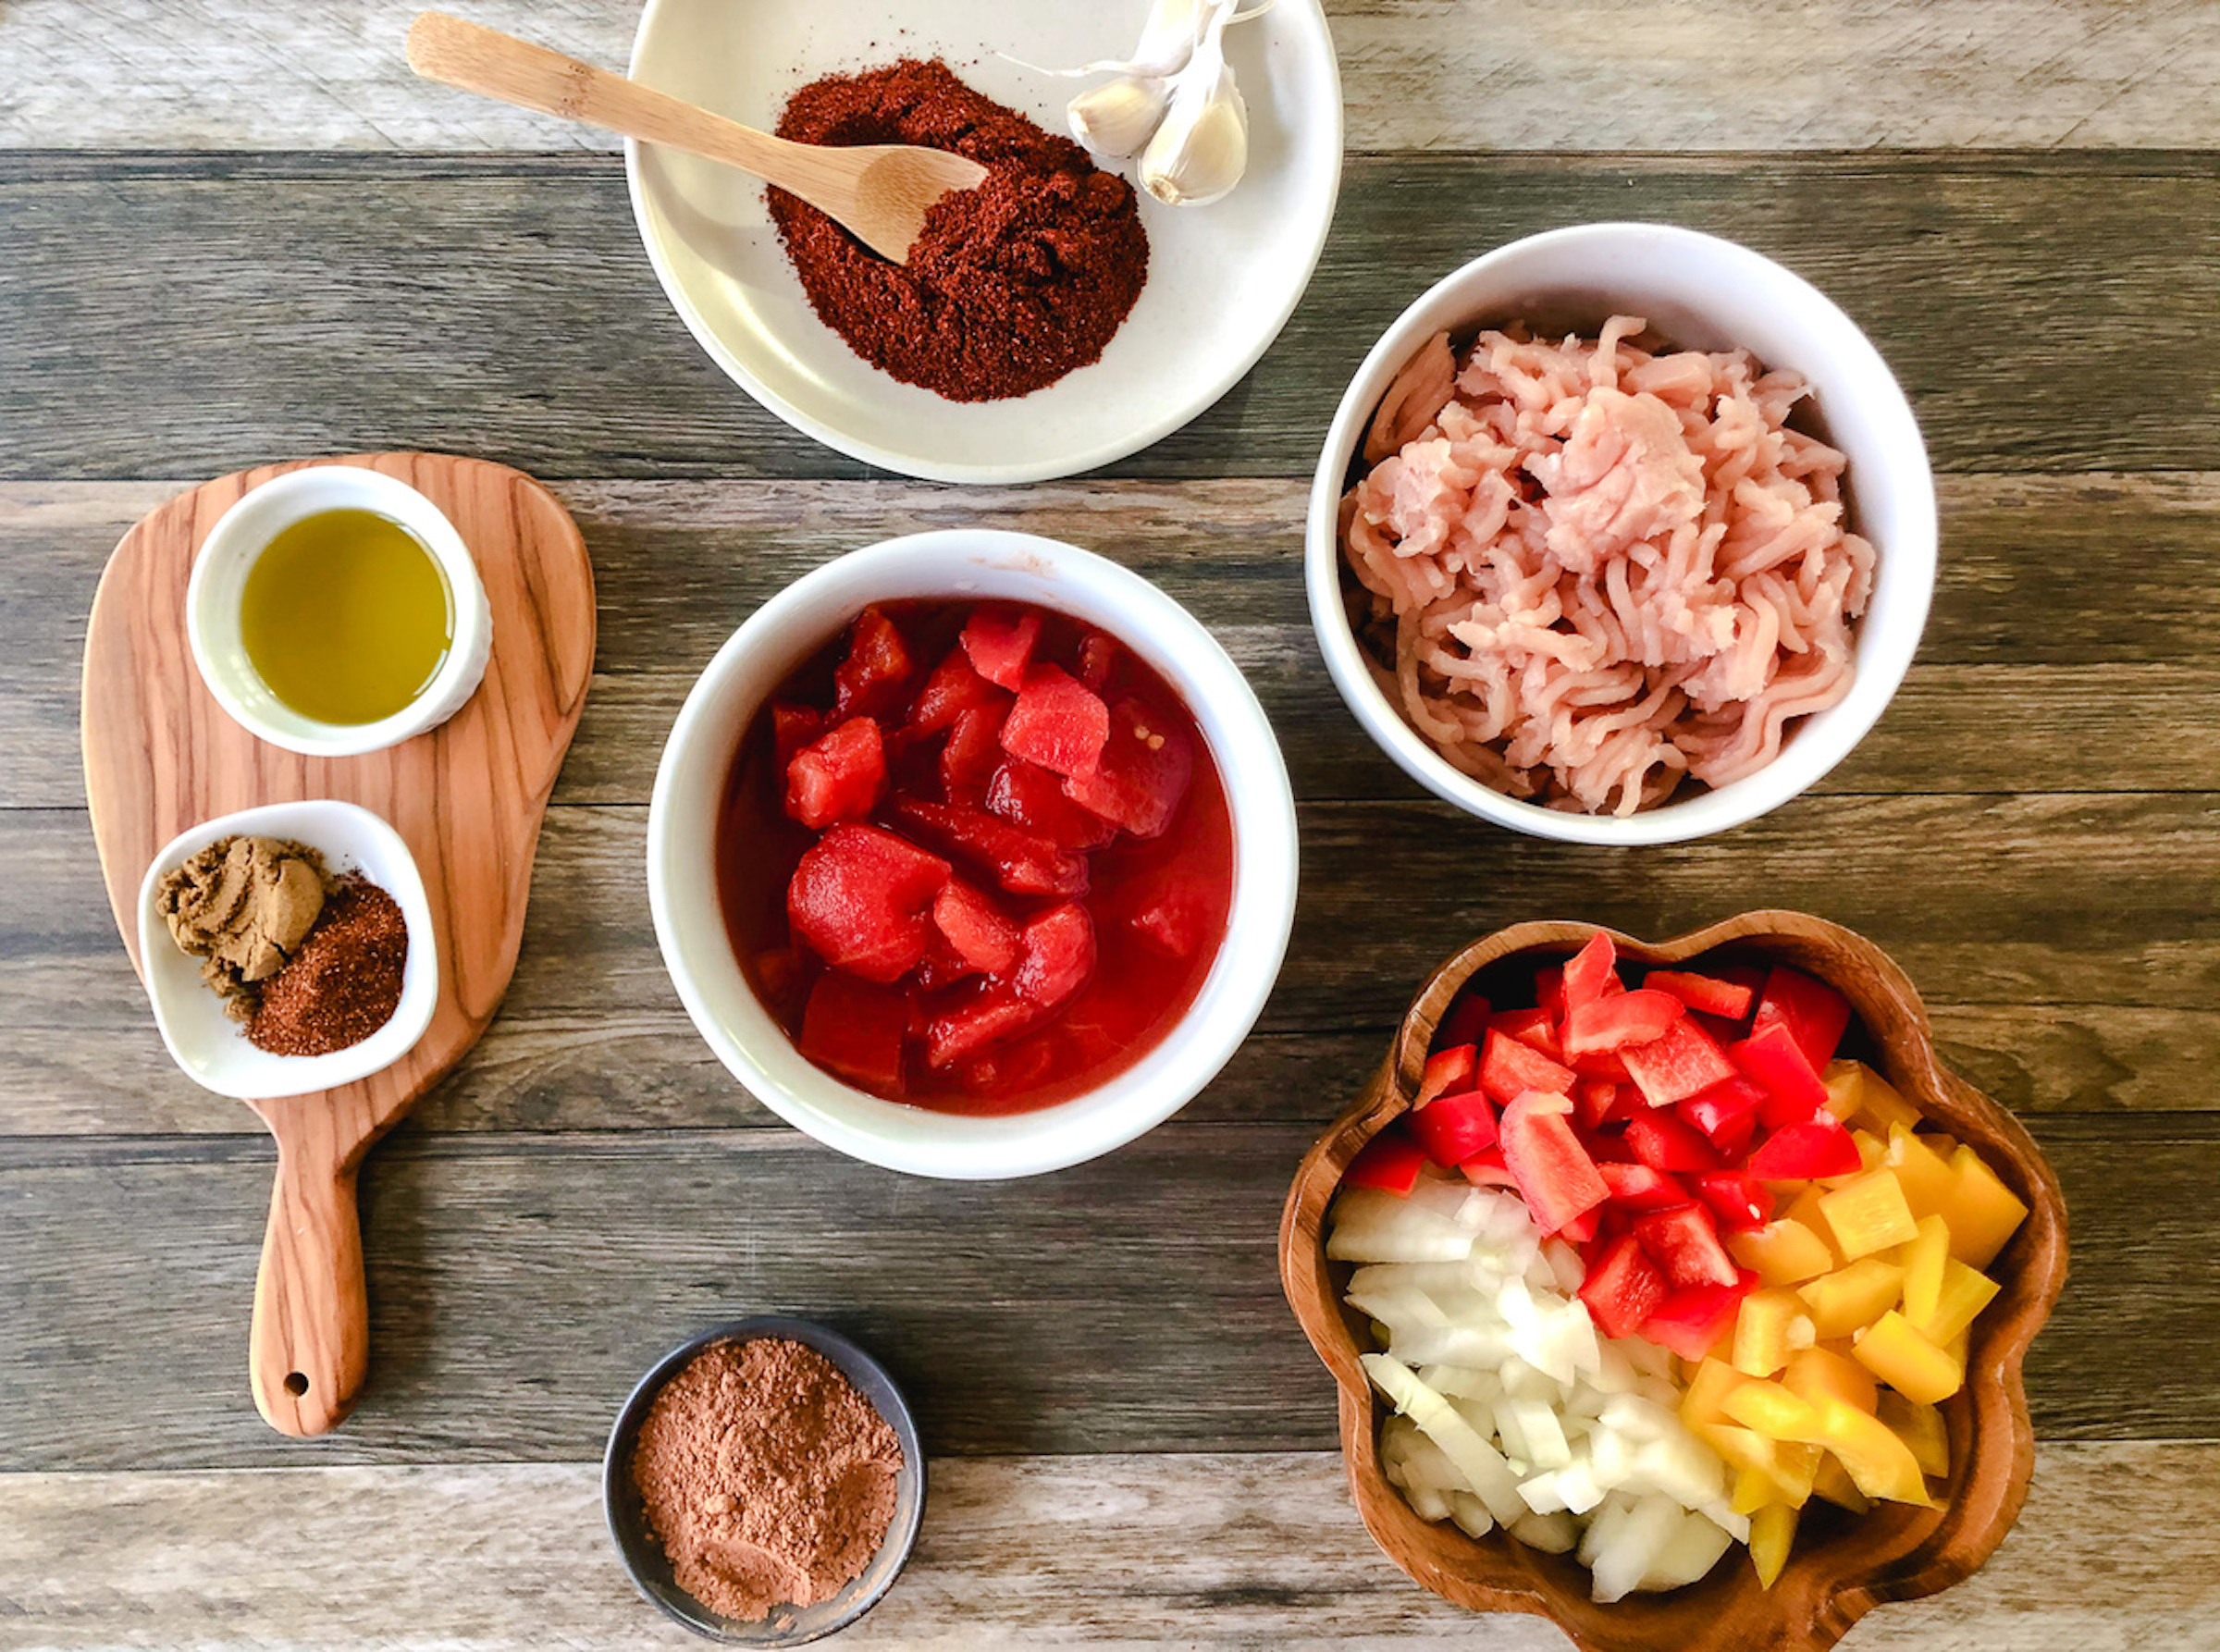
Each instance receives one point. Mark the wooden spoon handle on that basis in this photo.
(474, 58)
(309, 1348)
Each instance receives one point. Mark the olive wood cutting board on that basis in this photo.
(162, 755)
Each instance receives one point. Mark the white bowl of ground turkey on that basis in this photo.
(1697, 292)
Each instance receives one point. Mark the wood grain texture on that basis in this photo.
(2032, 675)
(1894, 1552)
(520, 1283)
(161, 757)
(185, 316)
(2113, 1553)
(1416, 74)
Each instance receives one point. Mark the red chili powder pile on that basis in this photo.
(768, 1479)
(344, 982)
(1011, 285)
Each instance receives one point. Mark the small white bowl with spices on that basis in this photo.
(211, 1048)
(335, 611)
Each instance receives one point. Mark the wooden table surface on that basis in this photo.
(238, 231)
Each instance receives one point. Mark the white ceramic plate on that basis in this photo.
(1223, 278)
(212, 1049)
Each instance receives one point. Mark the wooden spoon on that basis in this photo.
(879, 192)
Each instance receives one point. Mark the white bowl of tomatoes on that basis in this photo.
(972, 855)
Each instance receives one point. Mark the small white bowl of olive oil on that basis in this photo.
(334, 611)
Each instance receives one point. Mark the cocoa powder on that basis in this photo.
(344, 981)
(768, 1479)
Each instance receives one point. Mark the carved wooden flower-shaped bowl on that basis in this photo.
(1842, 1565)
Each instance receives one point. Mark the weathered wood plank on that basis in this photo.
(180, 316)
(2112, 1551)
(1460, 74)
(519, 1284)
(2032, 675)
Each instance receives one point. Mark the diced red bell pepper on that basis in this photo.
(1686, 1062)
(1587, 970)
(953, 689)
(1683, 1242)
(858, 899)
(1451, 1129)
(838, 777)
(1465, 1024)
(1638, 1188)
(1532, 1027)
(1727, 999)
(1486, 1169)
(1000, 648)
(1143, 773)
(1663, 1142)
(1691, 1321)
(1555, 1175)
(1815, 1014)
(1735, 1136)
(1609, 1146)
(856, 1029)
(1622, 1288)
(1723, 1108)
(1032, 798)
(1508, 1069)
(1771, 1059)
(1549, 989)
(1580, 1229)
(977, 929)
(1740, 1201)
(1057, 723)
(1805, 1153)
(792, 727)
(973, 752)
(869, 682)
(1391, 1161)
(1592, 1100)
(1623, 1018)
(1448, 1072)
(1600, 1063)
(1020, 862)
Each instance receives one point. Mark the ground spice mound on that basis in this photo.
(343, 983)
(1011, 285)
(768, 1479)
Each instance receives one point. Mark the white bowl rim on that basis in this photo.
(1131, 1102)
(292, 493)
(988, 473)
(349, 824)
(1882, 660)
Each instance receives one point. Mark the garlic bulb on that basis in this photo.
(1201, 150)
(1116, 118)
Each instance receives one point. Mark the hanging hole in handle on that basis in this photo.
(296, 1383)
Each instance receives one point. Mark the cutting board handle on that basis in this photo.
(309, 1348)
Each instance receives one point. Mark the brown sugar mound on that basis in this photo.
(768, 1479)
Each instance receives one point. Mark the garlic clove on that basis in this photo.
(1201, 147)
(1116, 118)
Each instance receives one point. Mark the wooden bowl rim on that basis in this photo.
(1934, 1551)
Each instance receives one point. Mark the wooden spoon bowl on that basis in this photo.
(1842, 1566)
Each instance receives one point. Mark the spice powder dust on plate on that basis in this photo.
(1010, 285)
(768, 1479)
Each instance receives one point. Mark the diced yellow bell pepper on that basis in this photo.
(1821, 1372)
(1856, 1094)
(1708, 1384)
(1738, 1448)
(1805, 1209)
(1923, 1260)
(1872, 1152)
(1783, 1252)
(1752, 1490)
(1770, 1324)
(1772, 1534)
(1785, 1469)
(1922, 1428)
(1982, 1211)
(1868, 1214)
(1833, 1482)
(1854, 1297)
(1958, 1303)
(1795, 1465)
(1770, 1410)
(1879, 1463)
(1922, 1170)
(1907, 1361)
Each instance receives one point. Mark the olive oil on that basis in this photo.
(346, 617)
